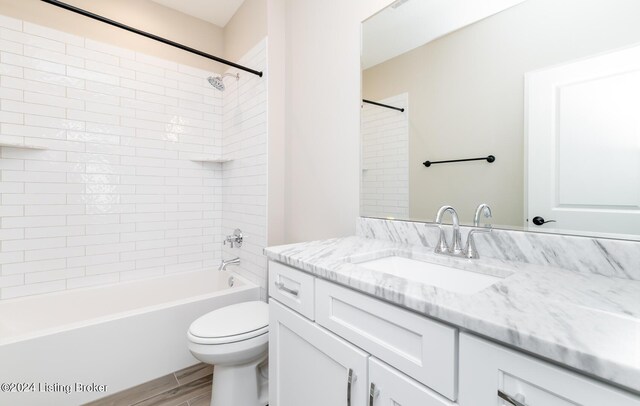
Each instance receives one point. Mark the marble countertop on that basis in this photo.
(585, 321)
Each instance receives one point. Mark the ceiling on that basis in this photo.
(407, 24)
(217, 12)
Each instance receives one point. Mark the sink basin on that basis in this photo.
(441, 276)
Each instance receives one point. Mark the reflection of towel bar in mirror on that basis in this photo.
(383, 105)
(489, 159)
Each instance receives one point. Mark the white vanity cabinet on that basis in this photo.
(490, 374)
(333, 346)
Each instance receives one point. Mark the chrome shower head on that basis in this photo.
(216, 81)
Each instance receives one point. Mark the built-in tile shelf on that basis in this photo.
(212, 159)
(19, 145)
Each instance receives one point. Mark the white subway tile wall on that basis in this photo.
(115, 195)
(385, 156)
(244, 179)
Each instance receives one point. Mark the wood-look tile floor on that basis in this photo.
(188, 387)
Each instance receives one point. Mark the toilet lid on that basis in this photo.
(248, 319)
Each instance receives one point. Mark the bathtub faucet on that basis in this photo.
(223, 264)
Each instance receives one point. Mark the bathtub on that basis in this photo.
(106, 338)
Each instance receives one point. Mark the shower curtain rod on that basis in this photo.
(383, 105)
(149, 35)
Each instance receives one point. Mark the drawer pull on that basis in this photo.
(281, 286)
(350, 379)
(509, 399)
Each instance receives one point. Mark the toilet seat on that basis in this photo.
(230, 324)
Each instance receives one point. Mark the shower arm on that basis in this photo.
(148, 35)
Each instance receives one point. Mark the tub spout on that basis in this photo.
(223, 263)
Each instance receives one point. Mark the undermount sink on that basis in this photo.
(441, 276)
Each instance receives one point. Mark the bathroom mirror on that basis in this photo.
(543, 95)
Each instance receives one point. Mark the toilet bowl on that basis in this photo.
(235, 340)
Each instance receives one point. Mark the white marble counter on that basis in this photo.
(585, 321)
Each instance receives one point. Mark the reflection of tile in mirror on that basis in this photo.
(385, 149)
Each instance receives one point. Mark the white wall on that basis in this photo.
(384, 190)
(276, 112)
(245, 29)
(323, 116)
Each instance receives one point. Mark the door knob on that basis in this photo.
(537, 220)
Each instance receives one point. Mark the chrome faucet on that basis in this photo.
(442, 247)
(223, 263)
(470, 250)
(235, 239)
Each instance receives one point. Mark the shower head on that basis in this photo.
(216, 81)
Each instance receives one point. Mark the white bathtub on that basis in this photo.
(118, 335)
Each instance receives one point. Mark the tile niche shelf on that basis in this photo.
(4, 144)
(219, 160)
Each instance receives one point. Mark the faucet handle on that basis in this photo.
(441, 246)
(481, 209)
(470, 250)
(235, 239)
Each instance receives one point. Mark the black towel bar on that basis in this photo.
(489, 159)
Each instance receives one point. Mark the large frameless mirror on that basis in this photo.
(530, 106)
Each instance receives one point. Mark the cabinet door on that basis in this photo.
(390, 387)
(494, 375)
(310, 366)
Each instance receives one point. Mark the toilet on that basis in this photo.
(235, 340)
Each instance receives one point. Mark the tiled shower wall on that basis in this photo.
(244, 179)
(385, 153)
(115, 195)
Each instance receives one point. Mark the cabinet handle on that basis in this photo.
(349, 381)
(373, 393)
(509, 399)
(281, 286)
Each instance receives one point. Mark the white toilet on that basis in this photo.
(235, 340)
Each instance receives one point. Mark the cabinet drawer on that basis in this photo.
(487, 368)
(292, 288)
(420, 347)
(389, 387)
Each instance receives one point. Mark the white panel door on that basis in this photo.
(310, 366)
(583, 144)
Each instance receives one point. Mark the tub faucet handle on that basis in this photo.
(235, 239)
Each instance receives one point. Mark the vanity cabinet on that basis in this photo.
(330, 345)
(490, 373)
